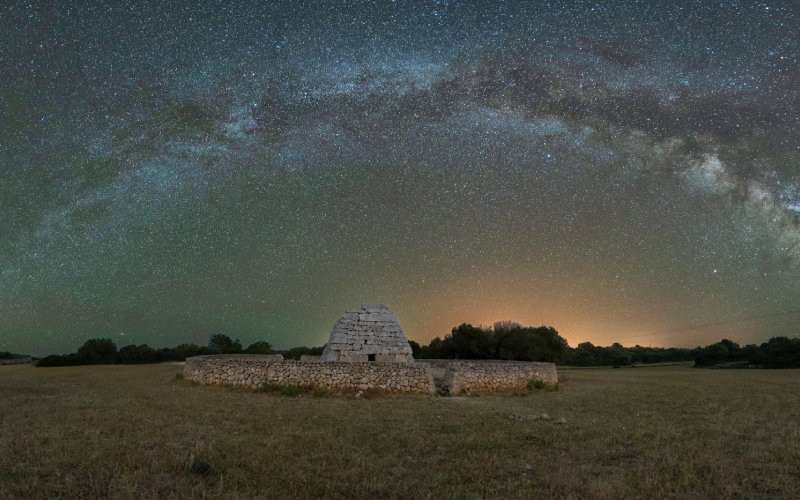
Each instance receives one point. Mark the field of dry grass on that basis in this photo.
(128, 431)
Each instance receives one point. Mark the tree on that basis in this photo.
(721, 352)
(468, 342)
(259, 347)
(183, 351)
(224, 344)
(133, 354)
(415, 348)
(296, 352)
(98, 351)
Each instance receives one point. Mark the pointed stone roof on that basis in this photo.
(371, 333)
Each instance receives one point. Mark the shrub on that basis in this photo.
(270, 388)
(224, 344)
(507, 340)
(133, 354)
(260, 347)
(296, 352)
(290, 390)
(535, 384)
(98, 351)
(183, 351)
(56, 360)
(539, 385)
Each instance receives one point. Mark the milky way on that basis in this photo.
(624, 173)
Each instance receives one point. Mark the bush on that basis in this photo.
(224, 344)
(98, 351)
(183, 351)
(133, 354)
(296, 352)
(507, 340)
(539, 385)
(535, 384)
(259, 347)
(290, 390)
(415, 348)
(270, 388)
(57, 360)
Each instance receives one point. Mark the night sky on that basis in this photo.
(623, 171)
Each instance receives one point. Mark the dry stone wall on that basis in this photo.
(489, 375)
(253, 370)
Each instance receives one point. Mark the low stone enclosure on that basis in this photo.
(423, 376)
(455, 376)
(368, 350)
(252, 370)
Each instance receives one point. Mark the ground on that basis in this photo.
(129, 431)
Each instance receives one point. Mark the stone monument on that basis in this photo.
(371, 333)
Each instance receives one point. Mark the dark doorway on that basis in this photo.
(370, 357)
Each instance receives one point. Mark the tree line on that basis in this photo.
(504, 340)
(104, 351)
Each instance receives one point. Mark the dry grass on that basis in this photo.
(128, 431)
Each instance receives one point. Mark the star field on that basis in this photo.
(620, 171)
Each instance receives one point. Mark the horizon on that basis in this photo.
(624, 173)
(119, 342)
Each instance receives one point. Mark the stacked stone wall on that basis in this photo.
(252, 371)
(490, 375)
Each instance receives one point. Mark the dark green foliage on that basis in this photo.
(587, 354)
(260, 347)
(98, 351)
(724, 351)
(57, 360)
(183, 351)
(778, 352)
(133, 354)
(11, 355)
(535, 384)
(270, 388)
(296, 352)
(415, 348)
(507, 340)
(515, 342)
(290, 390)
(198, 467)
(224, 344)
(621, 360)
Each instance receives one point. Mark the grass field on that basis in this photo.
(128, 432)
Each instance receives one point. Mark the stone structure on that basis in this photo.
(456, 376)
(368, 334)
(426, 376)
(253, 370)
(367, 350)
